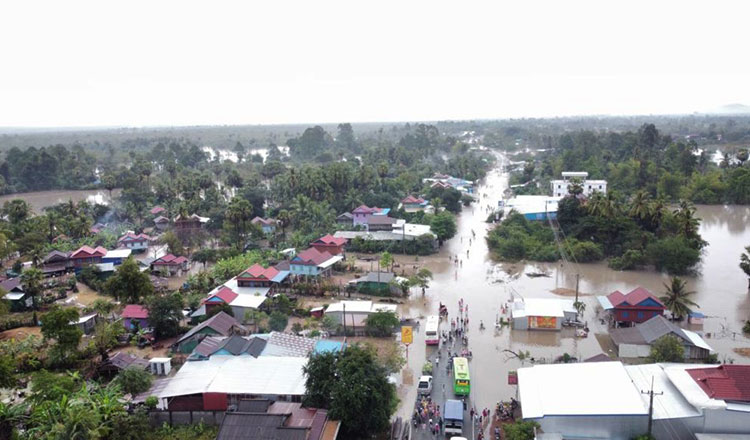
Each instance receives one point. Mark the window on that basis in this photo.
(558, 186)
(624, 314)
(600, 187)
(640, 315)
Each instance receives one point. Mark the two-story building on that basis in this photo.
(414, 204)
(560, 187)
(313, 263)
(639, 305)
(134, 242)
(169, 264)
(85, 256)
(361, 216)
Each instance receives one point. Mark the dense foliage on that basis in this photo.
(630, 233)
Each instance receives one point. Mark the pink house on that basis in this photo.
(361, 215)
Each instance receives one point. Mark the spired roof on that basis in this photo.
(726, 382)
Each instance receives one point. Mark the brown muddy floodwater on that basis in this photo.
(43, 199)
(486, 285)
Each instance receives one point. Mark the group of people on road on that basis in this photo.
(427, 415)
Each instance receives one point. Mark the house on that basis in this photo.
(121, 361)
(560, 187)
(329, 243)
(19, 299)
(445, 181)
(134, 316)
(116, 257)
(541, 208)
(375, 282)
(220, 381)
(414, 204)
(56, 263)
(234, 345)
(263, 419)
(345, 219)
(380, 223)
(85, 256)
(362, 214)
(311, 262)
(268, 225)
(608, 399)
(541, 313)
(169, 264)
(259, 276)
(136, 242)
(86, 323)
(353, 314)
(637, 306)
(219, 324)
(161, 223)
(157, 210)
(635, 342)
(191, 222)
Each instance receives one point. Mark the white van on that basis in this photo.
(425, 385)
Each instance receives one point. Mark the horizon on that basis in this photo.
(183, 65)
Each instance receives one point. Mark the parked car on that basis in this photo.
(425, 385)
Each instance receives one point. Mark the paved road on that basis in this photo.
(442, 377)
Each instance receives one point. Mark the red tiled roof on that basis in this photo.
(226, 294)
(170, 260)
(364, 209)
(410, 199)
(135, 311)
(89, 252)
(634, 297)
(313, 256)
(330, 239)
(726, 382)
(256, 271)
(157, 209)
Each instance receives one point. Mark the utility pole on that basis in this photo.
(651, 405)
(344, 317)
(575, 304)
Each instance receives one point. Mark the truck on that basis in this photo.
(453, 416)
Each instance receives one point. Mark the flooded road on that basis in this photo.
(43, 199)
(485, 285)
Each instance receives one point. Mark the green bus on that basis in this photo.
(461, 381)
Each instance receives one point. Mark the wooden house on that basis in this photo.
(169, 264)
(639, 305)
(328, 243)
(86, 256)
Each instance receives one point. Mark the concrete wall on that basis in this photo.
(610, 427)
(633, 351)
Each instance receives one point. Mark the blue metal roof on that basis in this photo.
(325, 346)
(281, 276)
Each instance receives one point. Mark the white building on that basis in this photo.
(607, 400)
(541, 313)
(356, 313)
(560, 187)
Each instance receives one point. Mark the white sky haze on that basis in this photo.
(138, 63)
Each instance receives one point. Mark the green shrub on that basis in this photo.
(673, 255)
(586, 251)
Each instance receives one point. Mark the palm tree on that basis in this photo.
(745, 264)
(594, 205)
(676, 298)
(32, 283)
(640, 205)
(685, 216)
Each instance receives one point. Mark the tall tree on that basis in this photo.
(31, 279)
(128, 283)
(165, 314)
(58, 325)
(676, 298)
(745, 264)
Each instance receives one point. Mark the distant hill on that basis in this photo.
(732, 109)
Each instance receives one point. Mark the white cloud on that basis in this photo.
(178, 62)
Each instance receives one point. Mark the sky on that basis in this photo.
(155, 63)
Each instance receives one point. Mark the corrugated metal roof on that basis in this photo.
(670, 404)
(253, 405)
(221, 323)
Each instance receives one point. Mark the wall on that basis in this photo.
(159, 418)
(633, 350)
(725, 421)
(612, 427)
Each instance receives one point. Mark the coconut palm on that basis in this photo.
(685, 216)
(640, 207)
(677, 298)
(745, 264)
(31, 279)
